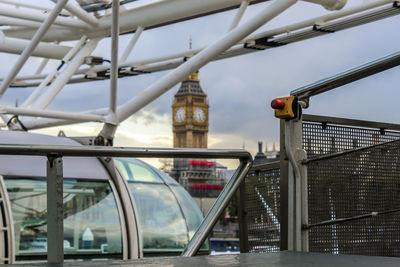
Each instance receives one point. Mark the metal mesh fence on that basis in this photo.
(346, 185)
(263, 209)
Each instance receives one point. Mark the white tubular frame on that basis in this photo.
(239, 14)
(148, 16)
(45, 99)
(76, 10)
(277, 31)
(40, 17)
(32, 45)
(114, 60)
(202, 58)
(53, 74)
(131, 44)
(52, 114)
(136, 20)
(16, 46)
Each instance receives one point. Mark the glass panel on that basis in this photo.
(162, 225)
(91, 224)
(190, 209)
(134, 170)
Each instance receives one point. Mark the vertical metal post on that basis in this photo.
(304, 201)
(242, 213)
(55, 210)
(114, 57)
(284, 194)
(297, 186)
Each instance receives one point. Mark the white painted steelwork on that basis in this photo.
(53, 74)
(32, 45)
(138, 19)
(45, 99)
(202, 58)
(52, 114)
(46, 50)
(163, 62)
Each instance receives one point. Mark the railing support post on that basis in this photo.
(55, 210)
(284, 191)
(297, 192)
(242, 213)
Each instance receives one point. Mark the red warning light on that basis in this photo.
(277, 104)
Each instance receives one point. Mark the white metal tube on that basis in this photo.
(190, 53)
(327, 17)
(114, 58)
(21, 4)
(76, 116)
(239, 14)
(276, 31)
(32, 45)
(131, 44)
(45, 99)
(39, 89)
(46, 122)
(71, 53)
(40, 17)
(76, 10)
(329, 4)
(42, 65)
(202, 58)
(46, 50)
(19, 22)
(52, 74)
(150, 15)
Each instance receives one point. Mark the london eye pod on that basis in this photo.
(117, 210)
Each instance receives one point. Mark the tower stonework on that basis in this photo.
(190, 115)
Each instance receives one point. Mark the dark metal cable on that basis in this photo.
(17, 120)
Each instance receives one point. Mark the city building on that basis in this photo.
(190, 111)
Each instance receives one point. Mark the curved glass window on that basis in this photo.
(135, 170)
(190, 209)
(168, 215)
(91, 224)
(162, 224)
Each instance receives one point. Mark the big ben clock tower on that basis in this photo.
(190, 114)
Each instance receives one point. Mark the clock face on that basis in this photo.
(199, 115)
(180, 115)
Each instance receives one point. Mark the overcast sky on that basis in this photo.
(240, 89)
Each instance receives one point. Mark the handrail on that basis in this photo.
(54, 153)
(328, 120)
(102, 151)
(266, 166)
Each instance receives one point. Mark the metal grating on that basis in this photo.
(323, 139)
(263, 210)
(351, 184)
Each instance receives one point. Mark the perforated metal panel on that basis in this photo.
(356, 183)
(263, 210)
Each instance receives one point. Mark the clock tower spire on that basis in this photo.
(190, 114)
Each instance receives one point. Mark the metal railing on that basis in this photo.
(353, 181)
(259, 209)
(55, 154)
